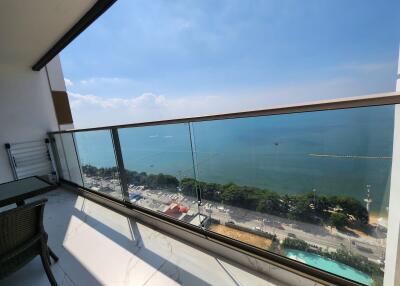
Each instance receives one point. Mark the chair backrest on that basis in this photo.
(19, 225)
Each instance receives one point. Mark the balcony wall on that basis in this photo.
(392, 276)
(26, 109)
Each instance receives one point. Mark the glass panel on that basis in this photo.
(64, 173)
(311, 186)
(159, 166)
(97, 158)
(72, 163)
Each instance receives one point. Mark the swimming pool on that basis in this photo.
(329, 265)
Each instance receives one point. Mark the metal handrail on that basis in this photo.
(378, 99)
(288, 264)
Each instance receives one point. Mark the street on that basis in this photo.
(320, 236)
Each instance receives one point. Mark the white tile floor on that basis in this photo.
(97, 246)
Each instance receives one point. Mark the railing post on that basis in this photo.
(194, 162)
(65, 158)
(120, 164)
(78, 160)
(54, 161)
(55, 155)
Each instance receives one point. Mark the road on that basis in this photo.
(314, 234)
(311, 233)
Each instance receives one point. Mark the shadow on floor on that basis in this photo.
(33, 273)
(138, 249)
(62, 207)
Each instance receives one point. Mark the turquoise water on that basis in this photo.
(329, 265)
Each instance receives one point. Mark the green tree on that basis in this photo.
(338, 220)
(270, 204)
(351, 207)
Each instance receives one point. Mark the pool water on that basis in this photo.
(329, 265)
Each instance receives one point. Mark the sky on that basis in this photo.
(161, 59)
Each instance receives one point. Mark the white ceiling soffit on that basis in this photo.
(29, 28)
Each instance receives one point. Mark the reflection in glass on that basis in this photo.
(64, 171)
(98, 164)
(310, 186)
(158, 163)
(71, 159)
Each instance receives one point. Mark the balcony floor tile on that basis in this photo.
(97, 246)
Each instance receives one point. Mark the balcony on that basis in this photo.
(293, 195)
(303, 188)
(297, 195)
(97, 246)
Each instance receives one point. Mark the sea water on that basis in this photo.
(338, 152)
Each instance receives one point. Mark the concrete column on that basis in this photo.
(57, 84)
(392, 262)
(56, 76)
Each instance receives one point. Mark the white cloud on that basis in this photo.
(91, 110)
(104, 80)
(68, 82)
(146, 100)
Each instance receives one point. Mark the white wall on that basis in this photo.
(56, 75)
(392, 267)
(26, 109)
(392, 243)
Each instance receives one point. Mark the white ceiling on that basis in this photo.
(29, 28)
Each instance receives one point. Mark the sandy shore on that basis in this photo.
(243, 236)
(373, 219)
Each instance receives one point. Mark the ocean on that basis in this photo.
(338, 152)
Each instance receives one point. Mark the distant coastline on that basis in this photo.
(339, 211)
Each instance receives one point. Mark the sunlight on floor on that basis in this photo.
(97, 246)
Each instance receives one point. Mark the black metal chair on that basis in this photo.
(22, 238)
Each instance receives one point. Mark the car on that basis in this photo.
(364, 249)
(292, 235)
